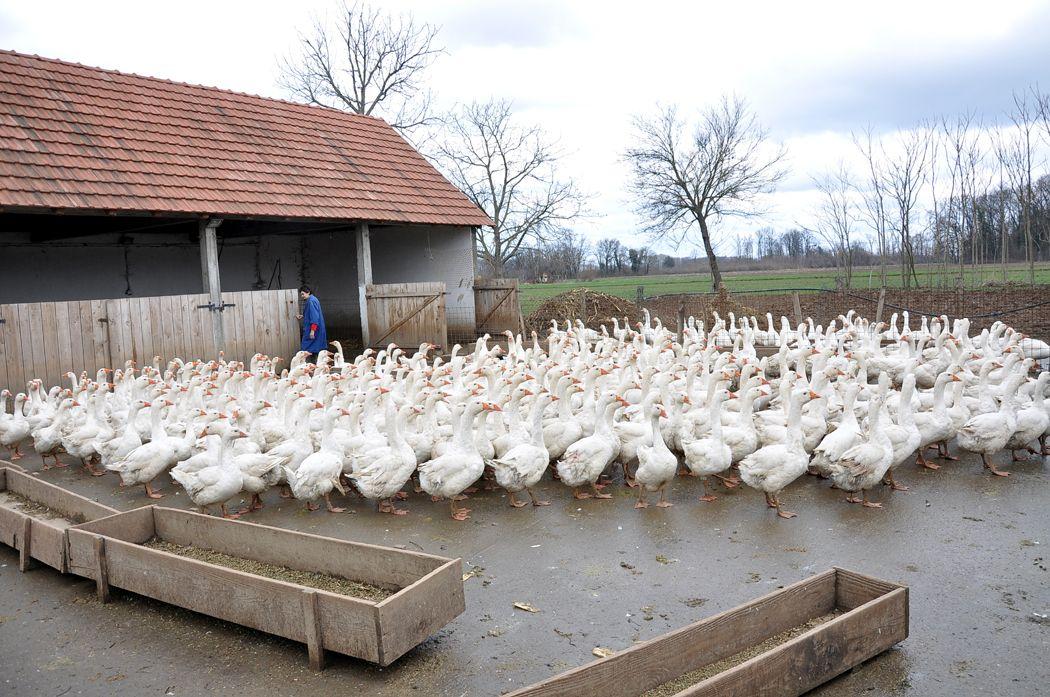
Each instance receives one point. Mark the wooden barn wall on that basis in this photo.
(47, 340)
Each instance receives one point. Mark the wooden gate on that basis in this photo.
(406, 314)
(47, 340)
(496, 305)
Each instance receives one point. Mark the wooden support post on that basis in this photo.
(312, 625)
(210, 275)
(364, 277)
(640, 295)
(798, 308)
(24, 550)
(583, 304)
(878, 309)
(681, 322)
(101, 570)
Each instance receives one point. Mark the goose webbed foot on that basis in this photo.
(781, 512)
(387, 506)
(598, 493)
(330, 506)
(535, 501)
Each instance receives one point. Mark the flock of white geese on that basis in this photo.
(850, 402)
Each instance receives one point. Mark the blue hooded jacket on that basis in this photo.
(312, 315)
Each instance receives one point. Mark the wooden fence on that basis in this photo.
(406, 314)
(47, 340)
(496, 305)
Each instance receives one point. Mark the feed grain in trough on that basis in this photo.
(35, 515)
(791, 641)
(423, 592)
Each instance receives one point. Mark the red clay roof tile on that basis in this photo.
(76, 137)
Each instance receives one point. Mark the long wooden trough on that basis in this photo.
(874, 617)
(427, 591)
(35, 517)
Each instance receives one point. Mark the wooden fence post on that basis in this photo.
(681, 321)
(363, 242)
(101, 570)
(312, 625)
(24, 550)
(583, 305)
(640, 295)
(798, 308)
(212, 283)
(882, 302)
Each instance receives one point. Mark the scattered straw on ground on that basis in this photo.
(680, 683)
(310, 579)
(599, 309)
(39, 510)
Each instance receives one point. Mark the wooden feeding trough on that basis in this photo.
(422, 592)
(704, 658)
(35, 515)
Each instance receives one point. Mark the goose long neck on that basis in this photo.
(658, 436)
(536, 429)
(794, 420)
(398, 424)
(938, 393)
(715, 420)
(467, 425)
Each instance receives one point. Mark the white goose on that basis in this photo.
(449, 474)
(521, 467)
(657, 465)
(772, 467)
(712, 455)
(588, 457)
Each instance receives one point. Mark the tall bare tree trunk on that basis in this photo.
(1005, 243)
(716, 275)
(1029, 239)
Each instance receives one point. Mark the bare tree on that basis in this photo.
(611, 256)
(1016, 155)
(1042, 104)
(510, 172)
(874, 194)
(639, 260)
(569, 251)
(836, 217)
(367, 62)
(965, 150)
(697, 174)
(904, 175)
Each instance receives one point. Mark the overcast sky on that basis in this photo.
(813, 71)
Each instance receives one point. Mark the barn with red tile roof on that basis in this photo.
(111, 185)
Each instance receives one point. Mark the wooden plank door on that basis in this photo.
(407, 314)
(496, 305)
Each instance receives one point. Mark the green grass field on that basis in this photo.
(532, 294)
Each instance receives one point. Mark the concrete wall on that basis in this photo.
(169, 264)
(414, 254)
(76, 270)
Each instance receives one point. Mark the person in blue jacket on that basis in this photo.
(314, 336)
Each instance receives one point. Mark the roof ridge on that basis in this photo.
(210, 88)
(79, 137)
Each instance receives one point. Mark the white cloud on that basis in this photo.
(813, 71)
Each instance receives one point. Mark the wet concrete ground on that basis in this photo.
(972, 547)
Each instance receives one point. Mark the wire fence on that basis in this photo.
(1024, 308)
